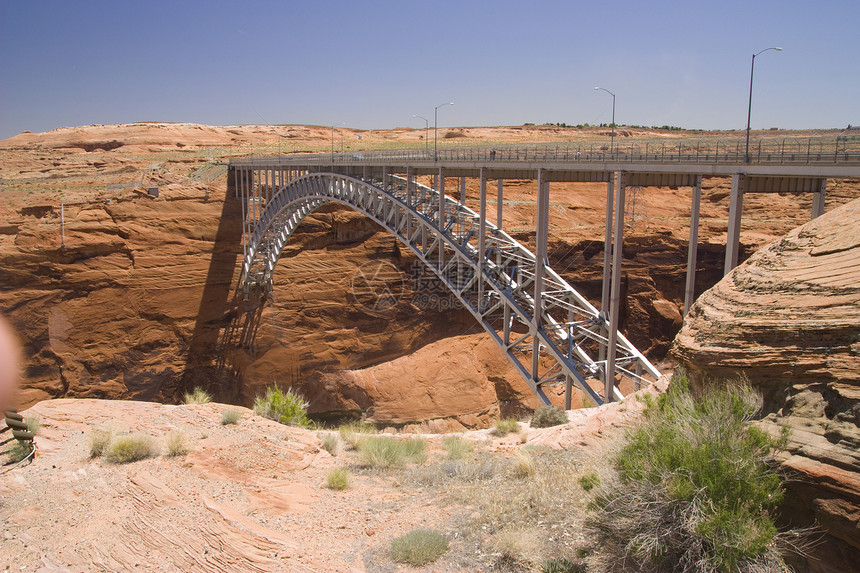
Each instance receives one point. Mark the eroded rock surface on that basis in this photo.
(789, 320)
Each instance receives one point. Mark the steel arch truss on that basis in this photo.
(561, 339)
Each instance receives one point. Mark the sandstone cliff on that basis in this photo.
(789, 320)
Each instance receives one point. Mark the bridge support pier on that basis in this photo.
(615, 298)
(500, 204)
(736, 207)
(818, 200)
(690, 289)
(607, 263)
(541, 236)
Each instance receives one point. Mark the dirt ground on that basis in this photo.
(252, 496)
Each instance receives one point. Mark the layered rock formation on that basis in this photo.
(789, 320)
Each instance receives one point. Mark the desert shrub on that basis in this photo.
(385, 452)
(338, 479)
(546, 416)
(230, 416)
(524, 464)
(176, 444)
(34, 424)
(505, 426)
(589, 481)
(100, 439)
(693, 489)
(419, 547)
(456, 447)
(19, 450)
(285, 407)
(128, 448)
(330, 443)
(198, 396)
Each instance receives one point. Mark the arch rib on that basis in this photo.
(549, 341)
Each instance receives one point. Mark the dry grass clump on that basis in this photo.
(128, 448)
(176, 444)
(457, 447)
(519, 546)
(198, 396)
(100, 439)
(230, 416)
(385, 452)
(330, 443)
(524, 465)
(505, 426)
(338, 479)
(353, 432)
(419, 547)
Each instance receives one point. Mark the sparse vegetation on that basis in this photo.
(352, 432)
(330, 443)
(230, 416)
(546, 416)
(385, 452)
(589, 481)
(285, 407)
(693, 490)
(524, 464)
(100, 439)
(456, 447)
(19, 450)
(519, 546)
(34, 424)
(505, 426)
(128, 448)
(562, 566)
(198, 396)
(176, 444)
(419, 547)
(338, 479)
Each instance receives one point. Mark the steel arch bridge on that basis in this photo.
(547, 330)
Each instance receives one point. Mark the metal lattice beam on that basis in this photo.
(548, 331)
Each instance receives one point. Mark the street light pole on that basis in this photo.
(332, 139)
(426, 133)
(436, 127)
(749, 107)
(611, 137)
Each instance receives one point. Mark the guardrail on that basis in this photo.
(840, 150)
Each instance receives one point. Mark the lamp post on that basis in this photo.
(426, 133)
(436, 127)
(611, 137)
(749, 108)
(332, 139)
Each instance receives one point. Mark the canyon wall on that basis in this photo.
(788, 320)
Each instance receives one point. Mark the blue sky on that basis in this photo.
(373, 64)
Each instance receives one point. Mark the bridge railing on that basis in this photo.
(810, 150)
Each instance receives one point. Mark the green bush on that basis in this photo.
(419, 547)
(230, 416)
(129, 448)
(562, 566)
(456, 447)
(693, 489)
(338, 479)
(546, 416)
(285, 407)
(198, 396)
(20, 450)
(589, 481)
(505, 426)
(385, 452)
